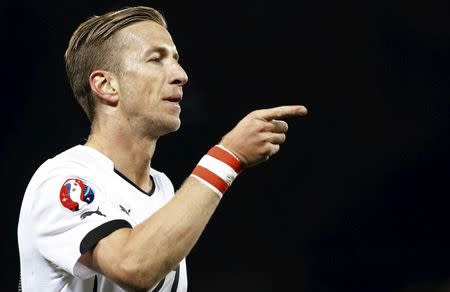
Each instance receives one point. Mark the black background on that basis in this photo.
(356, 200)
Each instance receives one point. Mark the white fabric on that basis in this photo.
(50, 234)
(220, 168)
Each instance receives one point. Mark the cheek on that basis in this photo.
(132, 86)
(143, 85)
(153, 87)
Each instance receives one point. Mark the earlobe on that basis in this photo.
(104, 86)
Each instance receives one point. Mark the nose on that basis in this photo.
(179, 76)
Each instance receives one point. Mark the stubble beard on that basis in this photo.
(161, 126)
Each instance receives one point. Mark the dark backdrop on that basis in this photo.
(356, 200)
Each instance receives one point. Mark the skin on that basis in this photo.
(132, 112)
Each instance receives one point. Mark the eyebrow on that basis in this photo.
(162, 50)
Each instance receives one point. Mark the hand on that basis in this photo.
(259, 134)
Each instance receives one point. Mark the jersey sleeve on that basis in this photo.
(71, 214)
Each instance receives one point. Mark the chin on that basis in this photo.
(170, 127)
(176, 127)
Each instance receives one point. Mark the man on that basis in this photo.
(97, 216)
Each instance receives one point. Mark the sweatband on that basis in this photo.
(217, 169)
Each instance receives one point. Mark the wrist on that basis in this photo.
(218, 169)
(229, 147)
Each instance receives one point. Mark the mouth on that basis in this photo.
(175, 98)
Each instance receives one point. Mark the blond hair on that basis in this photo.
(92, 47)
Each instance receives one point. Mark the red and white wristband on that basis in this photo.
(217, 169)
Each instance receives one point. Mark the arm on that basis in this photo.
(138, 258)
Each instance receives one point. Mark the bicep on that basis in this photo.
(105, 257)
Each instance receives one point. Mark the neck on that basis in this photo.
(130, 152)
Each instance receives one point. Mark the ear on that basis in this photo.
(104, 85)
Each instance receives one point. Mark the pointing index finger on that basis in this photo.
(281, 112)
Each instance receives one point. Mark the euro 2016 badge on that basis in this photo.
(75, 194)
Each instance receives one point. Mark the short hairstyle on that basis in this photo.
(92, 47)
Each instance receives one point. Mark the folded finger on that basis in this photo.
(278, 126)
(276, 138)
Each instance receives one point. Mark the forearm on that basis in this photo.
(154, 247)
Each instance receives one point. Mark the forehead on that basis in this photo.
(144, 35)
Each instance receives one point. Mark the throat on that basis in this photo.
(131, 157)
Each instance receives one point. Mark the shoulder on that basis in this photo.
(76, 165)
(74, 161)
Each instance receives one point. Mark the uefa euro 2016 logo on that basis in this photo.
(75, 194)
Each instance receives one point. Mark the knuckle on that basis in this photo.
(280, 126)
(260, 126)
(272, 148)
(265, 149)
(254, 113)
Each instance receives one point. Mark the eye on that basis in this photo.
(155, 59)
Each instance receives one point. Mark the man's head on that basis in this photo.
(99, 47)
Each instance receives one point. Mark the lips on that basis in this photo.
(174, 98)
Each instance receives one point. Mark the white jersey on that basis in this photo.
(73, 201)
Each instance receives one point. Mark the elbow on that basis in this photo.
(133, 277)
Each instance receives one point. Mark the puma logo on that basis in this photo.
(89, 213)
(125, 210)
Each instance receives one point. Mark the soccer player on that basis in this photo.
(97, 216)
